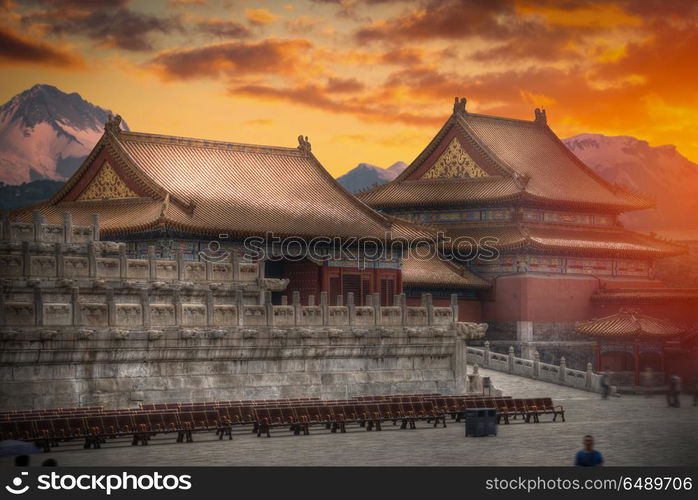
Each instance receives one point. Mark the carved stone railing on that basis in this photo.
(586, 380)
(39, 231)
(46, 251)
(67, 305)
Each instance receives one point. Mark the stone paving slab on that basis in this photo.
(629, 430)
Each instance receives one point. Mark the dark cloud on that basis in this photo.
(267, 57)
(111, 24)
(447, 19)
(344, 85)
(224, 29)
(367, 107)
(17, 49)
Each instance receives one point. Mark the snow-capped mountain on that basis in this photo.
(365, 175)
(46, 133)
(660, 171)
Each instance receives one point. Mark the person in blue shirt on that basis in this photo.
(588, 457)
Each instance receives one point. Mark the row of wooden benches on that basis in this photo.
(31, 413)
(95, 428)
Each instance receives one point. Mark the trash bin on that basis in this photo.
(480, 422)
(486, 385)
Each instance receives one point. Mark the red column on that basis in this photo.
(325, 278)
(636, 362)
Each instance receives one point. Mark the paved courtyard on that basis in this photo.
(630, 430)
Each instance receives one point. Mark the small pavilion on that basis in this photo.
(630, 342)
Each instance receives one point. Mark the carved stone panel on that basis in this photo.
(254, 315)
(311, 316)
(337, 316)
(52, 233)
(11, 265)
(193, 315)
(364, 316)
(107, 268)
(443, 315)
(194, 271)
(162, 315)
(166, 269)
(82, 234)
(284, 316)
(58, 314)
(43, 266)
(416, 316)
(22, 232)
(76, 267)
(19, 313)
(225, 315)
(391, 316)
(137, 268)
(92, 314)
(248, 271)
(221, 272)
(128, 315)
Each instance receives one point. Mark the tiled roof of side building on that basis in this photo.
(646, 295)
(215, 187)
(628, 323)
(536, 166)
(435, 272)
(588, 241)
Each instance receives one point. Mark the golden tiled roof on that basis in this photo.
(441, 192)
(435, 272)
(629, 324)
(216, 187)
(588, 241)
(536, 164)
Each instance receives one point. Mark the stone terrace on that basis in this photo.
(631, 430)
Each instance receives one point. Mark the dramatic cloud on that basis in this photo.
(224, 29)
(270, 56)
(370, 107)
(186, 3)
(303, 25)
(111, 24)
(448, 19)
(15, 49)
(612, 66)
(260, 16)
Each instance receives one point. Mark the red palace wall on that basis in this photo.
(567, 299)
(541, 298)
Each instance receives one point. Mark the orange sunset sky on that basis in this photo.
(366, 80)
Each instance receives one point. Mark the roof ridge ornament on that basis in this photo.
(304, 144)
(521, 180)
(459, 105)
(541, 119)
(113, 124)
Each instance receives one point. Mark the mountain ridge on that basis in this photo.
(45, 133)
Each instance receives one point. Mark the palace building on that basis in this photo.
(175, 196)
(560, 249)
(534, 238)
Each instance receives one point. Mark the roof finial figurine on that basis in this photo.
(541, 119)
(459, 105)
(303, 143)
(113, 124)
